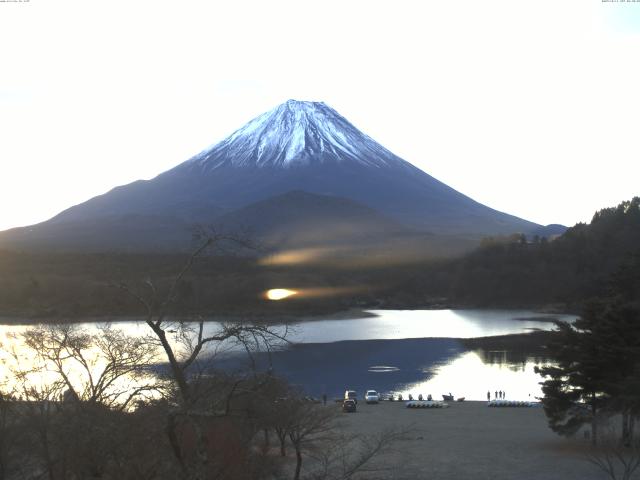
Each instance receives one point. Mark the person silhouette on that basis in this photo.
(488, 396)
(495, 394)
(499, 393)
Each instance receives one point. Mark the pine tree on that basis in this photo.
(574, 389)
(598, 361)
(617, 326)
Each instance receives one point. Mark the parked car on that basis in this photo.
(349, 406)
(351, 395)
(371, 396)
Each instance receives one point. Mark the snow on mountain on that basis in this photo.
(306, 147)
(296, 133)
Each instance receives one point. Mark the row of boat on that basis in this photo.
(510, 403)
(426, 404)
(492, 403)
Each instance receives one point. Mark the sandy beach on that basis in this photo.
(469, 440)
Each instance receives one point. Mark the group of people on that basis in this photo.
(498, 395)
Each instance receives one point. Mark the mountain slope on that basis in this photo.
(297, 219)
(122, 233)
(581, 264)
(298, 146)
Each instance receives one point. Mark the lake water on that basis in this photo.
(411, 351)
(406, 351)
(399, 324)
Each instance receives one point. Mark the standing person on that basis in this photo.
(324, 398)
(495, 394)
(504, 394)
(488, 396)
(500, 394)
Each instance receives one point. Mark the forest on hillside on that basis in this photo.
(575, 266)
(512, 271)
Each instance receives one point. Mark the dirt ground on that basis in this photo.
(469, 440)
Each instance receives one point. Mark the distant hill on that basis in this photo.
(549, 231)
(300, 218)
(578, 265)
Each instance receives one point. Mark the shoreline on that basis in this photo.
(284, 318)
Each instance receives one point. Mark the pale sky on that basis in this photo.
(530, 107)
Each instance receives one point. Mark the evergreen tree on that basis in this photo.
(620, 331)
(574, 389)
(598, 361)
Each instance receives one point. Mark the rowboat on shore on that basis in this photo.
(426, 404)
(510, 403)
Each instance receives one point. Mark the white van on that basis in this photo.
(371, 396)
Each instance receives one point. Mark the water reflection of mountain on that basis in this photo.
(334, 367)
(511, 349)
(515, 359)
(386, 364)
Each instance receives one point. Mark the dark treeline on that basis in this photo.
(596, 375)
(54, 285)
(517, 271)
(502, 272)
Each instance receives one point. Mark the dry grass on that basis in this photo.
(471, 441)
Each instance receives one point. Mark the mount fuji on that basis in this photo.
(299, 167)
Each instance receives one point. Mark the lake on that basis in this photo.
(411, 351)
(406, 351)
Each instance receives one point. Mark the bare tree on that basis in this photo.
(75, 388)
(348, 456)
(617, 458)
(36, 415)
(308, 426)
(108, 367)
(184, 340)
(70, 440)
(314, 431)
(10, 436)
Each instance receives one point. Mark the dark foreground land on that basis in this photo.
(468, 440)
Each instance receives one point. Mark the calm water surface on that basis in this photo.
(411, 351)
(407, 351)
(397, 324)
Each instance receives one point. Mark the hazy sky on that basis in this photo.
(531, 107)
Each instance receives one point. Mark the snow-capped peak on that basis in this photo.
(296, 133)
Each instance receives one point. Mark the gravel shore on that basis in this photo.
(468, 440)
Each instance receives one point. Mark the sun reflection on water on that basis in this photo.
(280, 293)
(468, 376)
